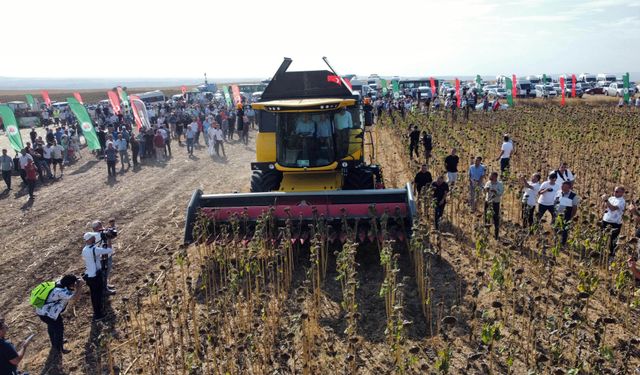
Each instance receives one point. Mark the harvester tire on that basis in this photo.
(265, 181)
(359, 179)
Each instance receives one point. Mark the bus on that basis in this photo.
(152, 97)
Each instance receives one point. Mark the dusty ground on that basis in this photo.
(42, 239)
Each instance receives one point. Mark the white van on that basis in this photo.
(606, 77)
(525, 89)
(587, 78)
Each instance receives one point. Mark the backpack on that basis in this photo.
(40, 293)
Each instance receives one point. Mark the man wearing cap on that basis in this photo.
(93, 274)
(51, 312)
(106, 260)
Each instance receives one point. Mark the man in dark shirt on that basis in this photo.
(427, 144)
(414, 141)
(9, 357)
(33, 135)
(439, 189)
(423, 178)
(451, 165)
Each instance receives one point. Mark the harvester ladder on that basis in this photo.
(369, 145)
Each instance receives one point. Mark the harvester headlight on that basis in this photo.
(271, 166)
(344, 164)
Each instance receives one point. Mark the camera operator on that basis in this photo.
(93, 275)
(56, 303)
(106, 234)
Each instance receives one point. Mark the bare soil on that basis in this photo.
(42, 239)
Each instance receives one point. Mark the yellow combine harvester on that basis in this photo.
(310, 161)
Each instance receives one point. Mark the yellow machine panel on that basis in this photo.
(266, 147)
(301, 181)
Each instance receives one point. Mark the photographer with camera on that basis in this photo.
(106, 234)
(50, 312)
(93, 275)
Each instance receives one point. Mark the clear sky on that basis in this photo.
(184, 38)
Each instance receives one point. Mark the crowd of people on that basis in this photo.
(194, 125)
(555, 195)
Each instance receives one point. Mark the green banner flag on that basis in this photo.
(544, 79)
(478, 82)
(31, 101)
(86, 125)
(396, 88)
(625, 80)
(227, 96)
(383, 85)
(11, 127)
(509, 89)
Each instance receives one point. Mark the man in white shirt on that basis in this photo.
(529, 198)
(56, 157)
(506, 151)
(51, 312)
(23, 160)
(612, 218)
(218, 138)
(547, 196)
(564, 174)
(91, 254)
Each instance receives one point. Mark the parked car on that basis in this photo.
(498, 92)
(545, 90)
(615, 89)
(595, 90)
(569, 87)
(425, 92)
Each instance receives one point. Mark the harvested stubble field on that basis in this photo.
(453, 301)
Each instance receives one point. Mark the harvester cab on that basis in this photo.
(310, 163)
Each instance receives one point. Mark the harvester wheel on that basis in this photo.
(359, 179)
(265, 181)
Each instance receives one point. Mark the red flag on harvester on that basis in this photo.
(514, 89)
(348, 82)
(433, 86)
(458, 92)
(115, 101)
(184, 90)
(562, 89)
(78, 97)
(45, 97)
(334, 79)
(573, 85)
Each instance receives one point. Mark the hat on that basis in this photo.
(89, 235)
